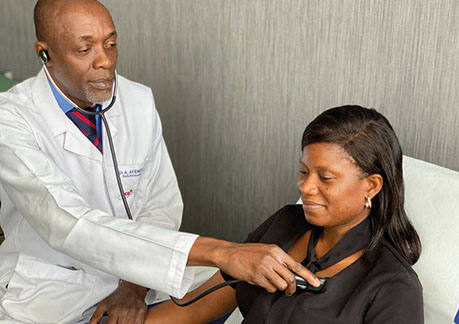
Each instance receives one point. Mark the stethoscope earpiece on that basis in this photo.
(43, 55)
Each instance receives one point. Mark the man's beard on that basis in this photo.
(97, 96)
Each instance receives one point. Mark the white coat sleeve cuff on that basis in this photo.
(180, 277)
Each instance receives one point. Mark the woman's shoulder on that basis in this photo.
(393, 287)
(394, 263)
(396, 290)
(291, 214)
(282, 225)
(388, 264)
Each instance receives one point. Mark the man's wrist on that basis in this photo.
(207, 251)
(140, 290)
(221, 255)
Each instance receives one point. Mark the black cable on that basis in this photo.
(191, 301)
(101, 113)
(115, 165)
(301, 285)
(112, 149)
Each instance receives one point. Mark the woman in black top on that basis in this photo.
(351, 228)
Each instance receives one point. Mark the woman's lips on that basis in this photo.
(311, 205)
(102, 84)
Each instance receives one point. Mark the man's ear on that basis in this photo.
(44, 57)
(374, 183)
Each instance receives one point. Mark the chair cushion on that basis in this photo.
(432, 204)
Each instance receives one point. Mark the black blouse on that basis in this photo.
(386, 290)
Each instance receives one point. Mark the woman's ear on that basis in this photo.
(374, 183)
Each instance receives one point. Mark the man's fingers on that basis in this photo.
(111, 320)
(287, 277)
(95, 319)
(277, 279)
(268, 266)
(290, 265)
(98, 314)
(141, 315)
(302, 272)
(140, 319)
(128, 320)
(123, 315)
(266, 284)
(112, 317)
(131, 316)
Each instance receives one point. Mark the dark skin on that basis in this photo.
(82, 51)
(80, 38)
(333, 191)
(83, 57)
(125, 305)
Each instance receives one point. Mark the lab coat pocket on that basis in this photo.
(130, 175)
(40, 292)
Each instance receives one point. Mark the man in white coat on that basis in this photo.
(68, 243)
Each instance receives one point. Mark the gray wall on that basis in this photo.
(236, 82)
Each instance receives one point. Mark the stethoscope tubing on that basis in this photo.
(115, 163)
(101, 113)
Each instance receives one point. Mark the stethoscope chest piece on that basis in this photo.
(303, 286)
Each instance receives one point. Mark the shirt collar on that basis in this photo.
(61, 101)
(65, 105)
(356, 239)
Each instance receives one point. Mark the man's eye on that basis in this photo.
(325, 179)
(111, 45)
(84, 51)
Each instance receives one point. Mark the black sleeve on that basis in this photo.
(398, 301)
(254, 237)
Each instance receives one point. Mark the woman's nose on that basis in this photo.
(307, 186)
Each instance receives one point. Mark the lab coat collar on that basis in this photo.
(59, 123)
(47, 105)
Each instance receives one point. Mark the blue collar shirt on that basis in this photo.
(66, 106)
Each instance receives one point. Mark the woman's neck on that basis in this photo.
(331, 235)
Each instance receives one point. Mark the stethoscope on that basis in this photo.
(43, 55)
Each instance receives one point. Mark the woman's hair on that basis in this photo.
(369, 139)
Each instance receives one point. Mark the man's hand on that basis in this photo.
(265, 265)
(125, 305)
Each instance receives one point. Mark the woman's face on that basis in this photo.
(332, 187)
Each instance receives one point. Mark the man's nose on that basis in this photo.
(103, 60)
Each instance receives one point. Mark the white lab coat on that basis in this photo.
(68, 240)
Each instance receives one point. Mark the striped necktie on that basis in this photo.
(87, 125)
